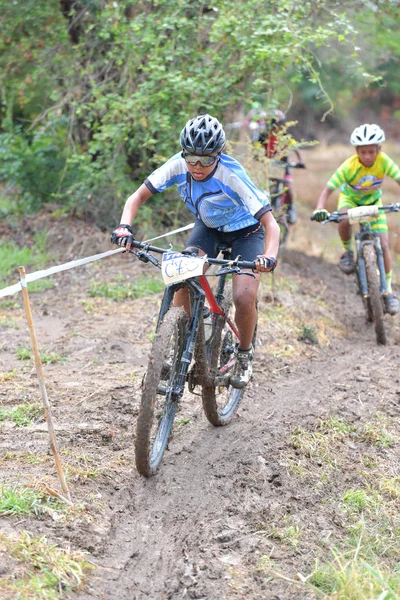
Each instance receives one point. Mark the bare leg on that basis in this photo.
(244, 298)
(345, 230)
(181, 298)
(386, 252)
(289, 195)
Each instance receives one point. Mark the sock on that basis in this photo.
(389, 282)
(348, 246)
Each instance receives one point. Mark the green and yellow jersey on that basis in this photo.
(363, 184)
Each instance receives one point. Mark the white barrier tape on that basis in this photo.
(14, 289)
(190, 226)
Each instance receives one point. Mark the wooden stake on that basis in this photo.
(39, 371)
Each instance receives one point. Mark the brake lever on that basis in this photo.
(146, 258)
(235, 270)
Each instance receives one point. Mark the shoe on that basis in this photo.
(243, 368)
(346, 262)
(291, 215)
(391, 304)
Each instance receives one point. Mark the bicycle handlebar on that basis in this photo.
(337, 216)
(297, 165)
(241, 264)
(292, 165)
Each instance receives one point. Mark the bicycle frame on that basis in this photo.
(280, 194)
(200, 290)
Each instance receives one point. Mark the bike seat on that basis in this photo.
(223, 246)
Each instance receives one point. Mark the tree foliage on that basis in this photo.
(107, 86)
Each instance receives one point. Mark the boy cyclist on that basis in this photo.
(229, 208)
(360, 179)
(269, 138)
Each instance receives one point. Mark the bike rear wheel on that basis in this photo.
(158, 402)
(375, 305)
(220, 399)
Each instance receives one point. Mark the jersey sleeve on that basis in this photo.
(173, 172)
(338, 178)
(391, 169)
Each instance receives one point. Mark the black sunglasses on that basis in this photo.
(205, 161)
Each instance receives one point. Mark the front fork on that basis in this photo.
(362, 274)
(198, 296)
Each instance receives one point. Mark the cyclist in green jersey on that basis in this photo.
(360, 179)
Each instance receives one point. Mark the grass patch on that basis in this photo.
(80, 466)
(13, 256)
(31, 458)
(7, 322)
(357, 500)
(308, 334)
(8, 375)
(288, 533)
(366, 555)
(19, 500)
(22, 415)
(120, 291)
(41, 285)
(355, 579)
(377, 434)
(43, 569)
(46, 358)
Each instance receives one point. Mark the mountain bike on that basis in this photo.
(278, 188)
(370, 269)
(198, 350)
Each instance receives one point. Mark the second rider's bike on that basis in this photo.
(370, 268)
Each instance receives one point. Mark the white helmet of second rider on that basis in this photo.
(367, 134)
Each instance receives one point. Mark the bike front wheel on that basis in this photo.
(159, 396)
(220, 399)
(375, 305)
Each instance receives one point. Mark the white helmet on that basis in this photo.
(367, 134)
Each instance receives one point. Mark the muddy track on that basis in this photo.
(199, 528)
(173, 536)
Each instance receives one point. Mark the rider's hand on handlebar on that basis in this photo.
(320, 214)
(123, 236)
(301, 165)
(265, 264)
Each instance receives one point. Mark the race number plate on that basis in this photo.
(362, 213)
(177, 267)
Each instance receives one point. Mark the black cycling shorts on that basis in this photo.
(247, 242)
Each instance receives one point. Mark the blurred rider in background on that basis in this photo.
(278, 151)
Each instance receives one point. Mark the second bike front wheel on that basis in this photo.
(375, 308)
(158, 402)
(220, 399)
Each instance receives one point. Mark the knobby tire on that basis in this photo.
(157, 410)
(220, 403)
(375, 298)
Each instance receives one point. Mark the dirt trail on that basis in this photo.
(201, 527)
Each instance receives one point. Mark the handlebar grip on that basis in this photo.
(312, 218)
(246, 264)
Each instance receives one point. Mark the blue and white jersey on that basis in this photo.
(226, 200)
